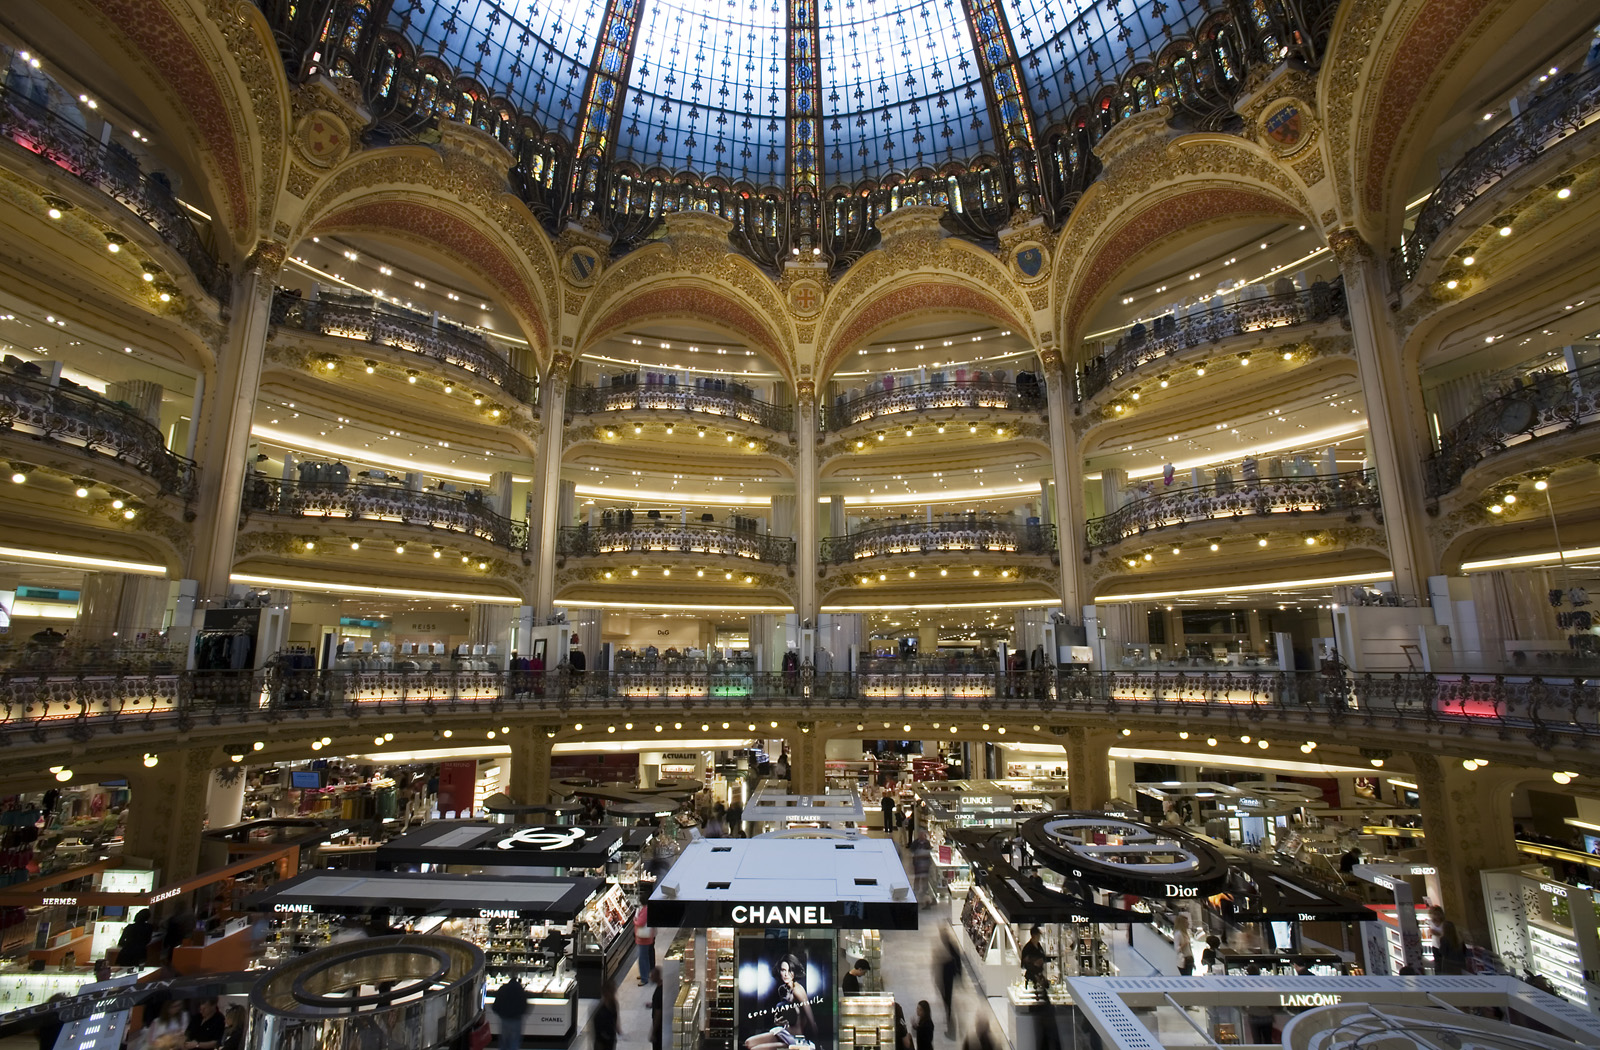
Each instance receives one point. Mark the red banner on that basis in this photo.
(457, 781)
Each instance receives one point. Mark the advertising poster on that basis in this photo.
(787, 993)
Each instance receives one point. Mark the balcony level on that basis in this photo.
(1187, 335)
(956, 400)
(361, 325)
(1545, 408)
(1270, 503)
(1524, 156)
(111, 176)
(632, 402)
(388, 504)
(672, 539)
(75, 431)
(948, 534)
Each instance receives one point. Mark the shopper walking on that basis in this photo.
(947, 967)
(644, 939)
(657, 1008)
(921, 868)
(923, 1026)
(607, 1019)
(980, 1038)
(511, 1005)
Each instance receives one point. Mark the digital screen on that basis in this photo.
(8, 600)
(1283, 936)
(786, 995)
(305, 778)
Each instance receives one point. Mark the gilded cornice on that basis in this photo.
(249, 41)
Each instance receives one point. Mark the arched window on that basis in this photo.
(1269, 25)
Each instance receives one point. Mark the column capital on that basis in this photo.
(267, 258)
(1349, 247)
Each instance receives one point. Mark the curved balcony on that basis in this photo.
(1173, 333)
(1561, 113)
(1549, 403)
(1517, 717)
(664, 537)
(67, 418)
(927, 397)
(363, 319)
(967, 533)
(113, 171)
(732, 402)
(1325, 493)
(463, 513)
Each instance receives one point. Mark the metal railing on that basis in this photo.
(671, 537)
(1561, 112)
(927, 397)
(1548, 403)
(113, 171)
(963, 533)
(1495, 711)
(370, 321)
(463, 513)
(1322, 493)
(1172, 334)
(654, 397)
(79, 418)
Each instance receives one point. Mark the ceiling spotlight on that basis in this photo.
(114, 242)
(151, 760)
(66, 774)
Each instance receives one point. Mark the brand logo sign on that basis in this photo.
(1310, 999)
(1551, 888)
(165, 895)
(781, 915)
(546, 839)
(73, 900)
(497, 913)
(295, 909)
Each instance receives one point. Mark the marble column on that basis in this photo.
(1396, 419)
(805, 498)
(1067, 466)
(1466, 818)
(1088, 768)
(223, 444)
(529, 781)
(808, 765)
(166, 809)
(545, 517)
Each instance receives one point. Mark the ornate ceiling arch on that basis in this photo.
(1154, 191)
(687, 296)
(210, 66)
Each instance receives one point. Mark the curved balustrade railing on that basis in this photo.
(114, 172)
(368, 321)
(1562, 111)
(925, 397)
(1353, 490)
(67, 417)
(376, 502)
(929, 537)
(1548, 403)
(1546, 712)
(1174, 333)
(671, 537)
(648, 397)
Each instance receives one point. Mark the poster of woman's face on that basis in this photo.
(786, 995)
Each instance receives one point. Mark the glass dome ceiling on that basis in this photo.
(774, 92)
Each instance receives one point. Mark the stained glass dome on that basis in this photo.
(802, 120)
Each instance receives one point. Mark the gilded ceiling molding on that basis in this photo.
(1340, 80)
(921, 298)
(690, 298)
(1164, 170)
(461, 183)
(1422, 44)
(182, 45)
(463, 238)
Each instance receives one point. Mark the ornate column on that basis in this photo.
(165, 812)
(1068, 468)
(1395, 418)
(223, 428)
(543, 522)
(1088, 768)
(529, 782)
(1466, 817)
(808, 768)
(805, 498)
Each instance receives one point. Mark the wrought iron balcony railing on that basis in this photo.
(704, 400)
(1174, 333)
(464, 513)
(113, 171)
(80, 418)
(963, 533)
(1496, 712)
(925, 397)
(1563, 111)
(1354, 490)
(370, 321)
(671, 537)
(1549, 402)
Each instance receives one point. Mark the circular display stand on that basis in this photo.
(1359, 1026)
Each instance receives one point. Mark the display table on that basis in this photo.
(228, 952)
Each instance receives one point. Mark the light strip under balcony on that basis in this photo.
(1237, 588)
(357, 588)
(57, 558)
(1546, 558)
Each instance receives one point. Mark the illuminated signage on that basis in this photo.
(498, 913)
(297, 909)
(1306, 916)
(165, 895)
(546, 839)
(1175, 890)
(1551, 888)
(781, 915)
(1310, 999)
(73, 900)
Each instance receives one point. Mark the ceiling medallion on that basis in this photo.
(322, 138)
(581, 266)
(1286, 126)
(1031, 261)
(805, 298)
